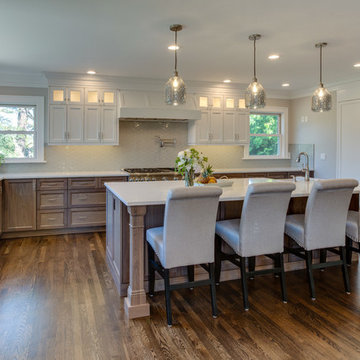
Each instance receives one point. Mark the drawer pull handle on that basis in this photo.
(51, 184)
(51, 219)
(52, 199)
(83, 217)
(84, 197)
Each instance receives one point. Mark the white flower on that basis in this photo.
(181, 154)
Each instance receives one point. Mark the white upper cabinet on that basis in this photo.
(100, 97)
(224, 120)
(82, 116)
(65, 95)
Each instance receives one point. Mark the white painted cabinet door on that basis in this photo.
(57, 122)
(57, 95)
(216, 127)
(108, 97)
(92, 97)
(92, 124)
(202, 128)
(75, 124)
(109, 125)
(230, 118)
(242, 128)
(75, 96)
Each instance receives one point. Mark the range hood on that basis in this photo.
(150, 105)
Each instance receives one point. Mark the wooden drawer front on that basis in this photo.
(82, 183)
(103, 180)
(87, 199)
(51, 200)
(54, 219)
(51, 184)
(277, 175)
(230, 175)
(256, 175)
(87, 217)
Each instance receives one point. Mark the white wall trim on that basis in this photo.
(37, 80)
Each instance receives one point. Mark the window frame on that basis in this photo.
(38, 103)
(283, 134)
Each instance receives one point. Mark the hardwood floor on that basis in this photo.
(57, 301)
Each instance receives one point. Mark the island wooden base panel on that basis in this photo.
(58, 301)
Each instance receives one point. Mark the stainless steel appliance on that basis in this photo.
(152, 174)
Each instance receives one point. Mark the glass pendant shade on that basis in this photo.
(321, 100)
(175, 91)
(255, 96)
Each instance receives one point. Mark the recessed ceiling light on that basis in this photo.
(285, 84)
(173, 47)
(91, 72)
(273, 57)
(357, 65)
(227, 81)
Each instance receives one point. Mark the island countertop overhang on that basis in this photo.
(155, 192)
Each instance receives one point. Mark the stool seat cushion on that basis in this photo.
(352, 225)
(155, 237)
(228, 230)
(294, 227)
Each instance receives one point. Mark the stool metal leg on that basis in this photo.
(167, 297)
(308, 255)
(213, 289)
(151, 257)
(323, 254)
(244, 283)
(282, 278)
(217, 259)
(348, 250)
(344, 270)
(190, 273)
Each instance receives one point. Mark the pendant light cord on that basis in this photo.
(176, 73)
(321, 83)
(255, 58)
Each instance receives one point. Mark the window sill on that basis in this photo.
(5, 162)
(266, 157)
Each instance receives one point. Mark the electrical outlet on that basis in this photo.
(322, 156)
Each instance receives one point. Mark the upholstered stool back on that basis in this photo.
(189, 226)
(326, 213)
(263, 218)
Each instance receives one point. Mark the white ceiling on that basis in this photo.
(130, 38)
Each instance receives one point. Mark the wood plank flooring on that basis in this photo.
(57, 301)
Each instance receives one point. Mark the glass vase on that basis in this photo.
(189, 177)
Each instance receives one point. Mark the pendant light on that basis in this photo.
(175, 91)
(255, 93)
(321, 99)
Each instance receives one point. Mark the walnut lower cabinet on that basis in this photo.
(53, 205)
(19, 205)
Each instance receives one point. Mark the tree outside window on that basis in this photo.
(17, 131)
(265, 134)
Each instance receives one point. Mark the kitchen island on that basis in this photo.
(131, 208)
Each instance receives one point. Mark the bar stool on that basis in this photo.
(186, 239)
(352, 234)
(322, 226)
(260, 231)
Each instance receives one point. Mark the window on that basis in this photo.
(267, 134)
(264, 134)
(22, 128)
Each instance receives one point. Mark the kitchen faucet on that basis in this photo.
(306, 165)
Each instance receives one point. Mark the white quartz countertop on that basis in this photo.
(155, 192)
(256, 170)
(59, 174)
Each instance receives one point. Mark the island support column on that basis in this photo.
(135, 303)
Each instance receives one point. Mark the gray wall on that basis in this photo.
(320, 130)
